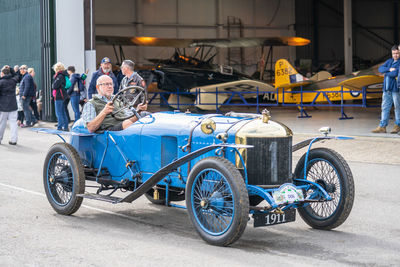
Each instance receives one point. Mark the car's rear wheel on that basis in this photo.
(217, 201)
(329, 169)
(63, 178)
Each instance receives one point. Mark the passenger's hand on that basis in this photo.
(392, 69)
(23, 97)
(108, 108)
(141, 106)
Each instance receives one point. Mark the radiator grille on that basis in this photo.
(270, 161)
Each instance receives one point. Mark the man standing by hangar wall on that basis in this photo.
(105, 69)
(390, 94)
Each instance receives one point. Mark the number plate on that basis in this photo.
(274, 218)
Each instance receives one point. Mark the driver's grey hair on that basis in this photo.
(129, 63)
(101, 79)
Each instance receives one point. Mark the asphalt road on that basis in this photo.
(143, 234)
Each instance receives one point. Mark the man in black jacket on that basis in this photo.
(8, 104)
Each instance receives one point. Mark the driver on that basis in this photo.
(97, 112)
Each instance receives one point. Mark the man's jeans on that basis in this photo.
(27, 110)
(75, 106)
(388, 99)
(61, 116)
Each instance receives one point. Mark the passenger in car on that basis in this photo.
(96, 113)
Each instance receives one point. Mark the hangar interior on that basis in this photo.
(321, 21)
(195, 19)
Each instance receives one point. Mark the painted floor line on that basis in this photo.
(85, 206)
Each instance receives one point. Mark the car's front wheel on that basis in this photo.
(217, 201)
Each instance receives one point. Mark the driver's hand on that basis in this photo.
(108, 108)
(142, 107)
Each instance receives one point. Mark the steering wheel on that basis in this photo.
(124, 102)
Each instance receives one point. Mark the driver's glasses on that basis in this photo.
(106, 84)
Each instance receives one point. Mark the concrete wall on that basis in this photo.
(70, 41)
(192, 19)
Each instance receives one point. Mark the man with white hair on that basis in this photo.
(105, 69)
(27, 91)
(97, 111)
(132, 78)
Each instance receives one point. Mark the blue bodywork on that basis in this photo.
(159, 147)
(151, 143)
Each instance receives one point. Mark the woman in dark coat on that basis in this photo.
(60, 95)
(8, 104)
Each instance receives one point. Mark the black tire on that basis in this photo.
(63, 178)
(172, 195)
(219, 217)
(329, 169)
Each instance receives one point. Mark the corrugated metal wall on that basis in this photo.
(20, 34)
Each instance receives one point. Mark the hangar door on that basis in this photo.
(20, 35)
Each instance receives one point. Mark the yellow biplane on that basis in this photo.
(292, 87)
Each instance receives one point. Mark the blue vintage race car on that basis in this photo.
(227, 168)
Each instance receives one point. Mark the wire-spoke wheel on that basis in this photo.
(63, 178)
(328, 169)
(217, 201)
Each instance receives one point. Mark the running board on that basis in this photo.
(105, 198)
(160, 174)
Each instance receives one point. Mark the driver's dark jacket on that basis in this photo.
(99, 104)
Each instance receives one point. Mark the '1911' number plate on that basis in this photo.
(274, 218)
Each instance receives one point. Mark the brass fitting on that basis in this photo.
(265, 116)
(156, 194)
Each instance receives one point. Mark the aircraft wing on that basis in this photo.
(213, 42)
(207, 98)
(292, 85)
(357, 83)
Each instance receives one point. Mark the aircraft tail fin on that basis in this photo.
(285, 74)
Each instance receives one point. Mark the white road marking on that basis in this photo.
(85, 206)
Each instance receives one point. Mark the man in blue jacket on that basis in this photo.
(27, 91)
(390, 93)
(105, 69)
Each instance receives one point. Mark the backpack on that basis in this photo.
(67, 82)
